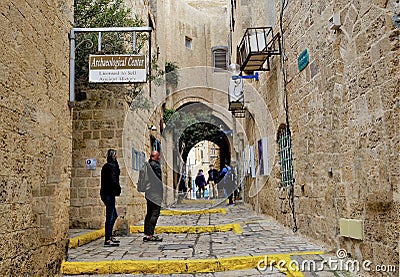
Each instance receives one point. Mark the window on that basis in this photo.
(156, 145)
(220, 58)
(138, 159)
(285, 157)
(188, 42)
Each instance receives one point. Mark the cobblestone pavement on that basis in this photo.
(261, 235)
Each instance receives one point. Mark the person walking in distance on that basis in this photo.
(154, 197)
(200, 182)
(227, 181)
(213, 181)
(110, 188)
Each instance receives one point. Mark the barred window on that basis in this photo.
(220, 58)
(285, 157)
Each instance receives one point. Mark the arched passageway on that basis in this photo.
(191, 123)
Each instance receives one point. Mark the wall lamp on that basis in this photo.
(255, 76)
(152, 128)
(235, 70)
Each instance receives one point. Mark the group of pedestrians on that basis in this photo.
(226, 179)
(110, 188)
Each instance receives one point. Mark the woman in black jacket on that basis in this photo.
(109, 189)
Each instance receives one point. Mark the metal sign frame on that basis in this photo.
(73, 31)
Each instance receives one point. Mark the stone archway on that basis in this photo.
(194, 120)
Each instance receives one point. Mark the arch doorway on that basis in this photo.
(191, 124)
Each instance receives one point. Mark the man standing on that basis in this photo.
(213, 181)
(110, 188)
(154, 197)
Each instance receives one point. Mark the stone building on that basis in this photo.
(202, 155)
(333, 109)
(342, 109)
(186, 34)
(35, 140)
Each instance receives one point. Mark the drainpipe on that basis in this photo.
(72, 66)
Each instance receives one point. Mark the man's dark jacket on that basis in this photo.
(110, 179)
(155, 193)
(213, 175)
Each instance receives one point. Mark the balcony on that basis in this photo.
(256, 48)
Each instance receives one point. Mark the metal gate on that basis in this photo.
(285, 157)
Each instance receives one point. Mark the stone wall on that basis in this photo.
(35, 140)
(205, 27)
(98, 125)
(344, 117)
(102, 119)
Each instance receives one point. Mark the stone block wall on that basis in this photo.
(344, 117)
(35, 140)
(98, 125)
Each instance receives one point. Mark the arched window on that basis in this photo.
(220, 58)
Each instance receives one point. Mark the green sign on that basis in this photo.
(303, 59)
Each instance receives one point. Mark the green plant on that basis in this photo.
(171, 73)
(167, 114)
(191, 127)
(156, 73)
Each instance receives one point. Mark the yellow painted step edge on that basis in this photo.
(94, 235)
(85, 238)
(198, 201)
(234, 227)
(188, 212)
(182, 266)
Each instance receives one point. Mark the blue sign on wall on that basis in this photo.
(303, 59)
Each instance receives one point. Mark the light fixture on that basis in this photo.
(235, 91)
(152, 128)
(235, 70)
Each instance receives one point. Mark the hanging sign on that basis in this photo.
(236, 96)
(117, 69)
(263, 156)
(252, 163)
(303, 59)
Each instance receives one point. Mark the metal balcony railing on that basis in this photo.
(256, 48)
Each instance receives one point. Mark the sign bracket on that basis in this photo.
(72, 43)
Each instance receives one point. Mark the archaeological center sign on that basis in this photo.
(117, 69)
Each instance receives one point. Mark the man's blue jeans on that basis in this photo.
(111, 214)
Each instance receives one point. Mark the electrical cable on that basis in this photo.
(290, 186)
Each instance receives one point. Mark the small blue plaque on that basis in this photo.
(302, 60)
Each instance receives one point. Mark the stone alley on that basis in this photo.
(289, 108)
(234, 252)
